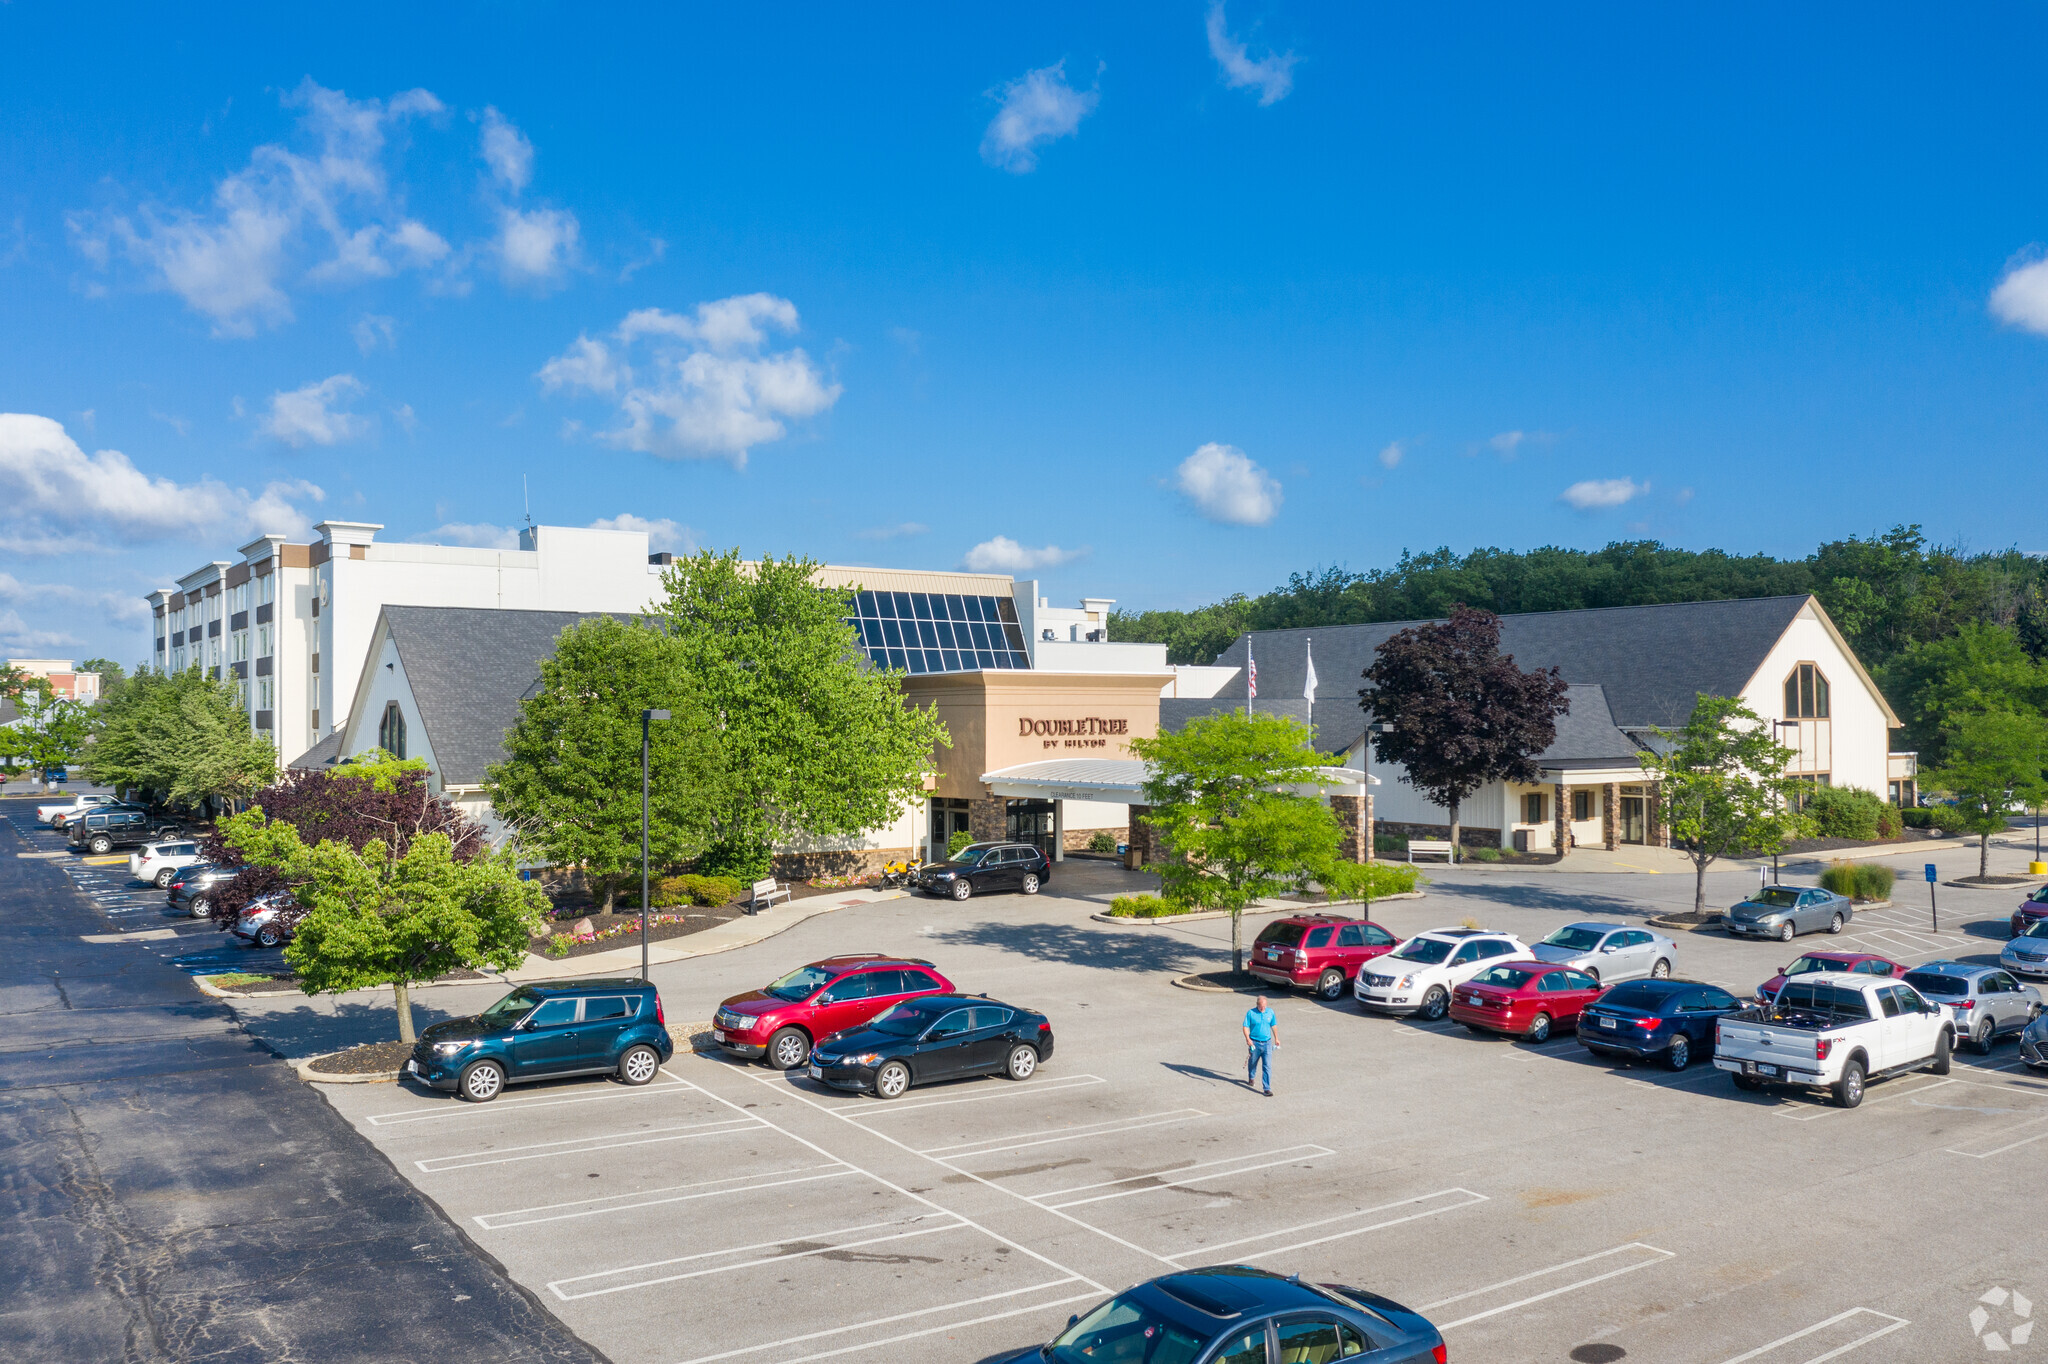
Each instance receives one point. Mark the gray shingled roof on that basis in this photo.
(321, 754)
(1650, 662)
(469, 667)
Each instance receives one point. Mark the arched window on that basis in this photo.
(391, 732)
(1806, 694)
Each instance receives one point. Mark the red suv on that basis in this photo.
(1321, 950)
(783, 1021)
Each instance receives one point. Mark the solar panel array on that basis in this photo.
(938, 632)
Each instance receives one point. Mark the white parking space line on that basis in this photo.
(1892, 1324)
(814, 1243)
(456, 1109)
(1426, 1205)
(1996, 1143)
(1047, 1136)
(907, 1316)
(1960, 1101)
(1814, 1107)
(651, 1198)
(570, 1146)
(1641, 1256)
(1200, 1172)
(882, 1108)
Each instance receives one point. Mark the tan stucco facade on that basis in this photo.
(1000, 719)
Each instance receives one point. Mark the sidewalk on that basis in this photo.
(744, 931)
(1639, 858)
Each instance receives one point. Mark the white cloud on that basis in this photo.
(312, 415)
(114, 607)
(901, 530)
(1507, 442)
(1038, 107)
(1004, 555)
(373, 330)
(471, 535)
(1602, 492)
(61, 500)
(536, 246)
(662, 534)
(1271, 75)
(506, 151)
(408, 420)
(2021, 298)
(17, 637)
(1390, 455)
(1226, 486)
(708, 385)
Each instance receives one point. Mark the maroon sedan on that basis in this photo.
(1861, 963)
(1523, 999)
(1319, 950)
(783, 1021)
(2032, 912)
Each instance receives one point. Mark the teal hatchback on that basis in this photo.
(544, 1032)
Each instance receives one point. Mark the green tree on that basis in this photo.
(1722, 787)
(48, 731)
(570, 782)
(1227, 797)
(1982, 666)
(112, 676)
(1995, 758)
(374, 918)
(181, 736)
(814, 740)
(14, 682)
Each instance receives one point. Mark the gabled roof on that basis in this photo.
(1650, 662)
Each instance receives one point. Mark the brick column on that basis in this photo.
(1139, 835)
(985, 819)
(1653, 816)
(1561, 822)
(1610, 816)
(1370, 853)
(1353, 842)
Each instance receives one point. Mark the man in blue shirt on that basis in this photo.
(1261, 1037)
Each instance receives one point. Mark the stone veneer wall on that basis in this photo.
(1467, 835)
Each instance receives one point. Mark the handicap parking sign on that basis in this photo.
(1930, 871)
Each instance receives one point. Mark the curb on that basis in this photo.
(1131, 921)
(313, 1077)
(1200, 986)
(1671, 926)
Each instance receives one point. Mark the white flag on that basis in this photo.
(1308, 689)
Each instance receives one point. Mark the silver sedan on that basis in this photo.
(1609, 952)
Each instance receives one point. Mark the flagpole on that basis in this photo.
(1251, 670)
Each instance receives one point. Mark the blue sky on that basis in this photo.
(1155, 302)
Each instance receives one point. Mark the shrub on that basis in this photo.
(711, 890)
(1949, 819)
(1102, 841)
(1917, 819)
(559, 945)
(1483, 854)
(1389, 843)
(1844, 812)
(1890, 824)
(1145, 907)
(958, 841)
(1858, 880)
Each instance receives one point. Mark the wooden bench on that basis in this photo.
(1438, 847)
(764, 894)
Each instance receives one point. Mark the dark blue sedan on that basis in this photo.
(1234, 1314)
(1640, 1019)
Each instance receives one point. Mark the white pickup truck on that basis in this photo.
(1833, 1030)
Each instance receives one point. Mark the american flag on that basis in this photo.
(1252, 673)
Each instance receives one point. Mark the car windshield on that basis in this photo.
(1428, 951)
(801, 983)
(1506, 977)
(509, 1010)
(972, 854)
(1287, 935)
(1776, 898)
(1935, 983)
(2037, 929)
(1806, 965)
(1645, 997)
(1127, 1331)
(1577, 939)
(906, 1020)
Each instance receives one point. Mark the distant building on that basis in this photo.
(66, 682)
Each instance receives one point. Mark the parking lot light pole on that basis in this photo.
(1777, 725)
(647, 718)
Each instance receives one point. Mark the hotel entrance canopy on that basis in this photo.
(1121, 781)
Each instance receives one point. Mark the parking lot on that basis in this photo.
(1537, 1203)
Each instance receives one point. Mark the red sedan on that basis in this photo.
(1523, 999)
(781, 1022)
(1862, 963)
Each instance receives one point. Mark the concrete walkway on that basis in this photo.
(1638, 859)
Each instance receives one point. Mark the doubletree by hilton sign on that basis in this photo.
(1083, 733)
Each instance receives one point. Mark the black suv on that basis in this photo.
(192, 887)
(103, 831)
(987, 866)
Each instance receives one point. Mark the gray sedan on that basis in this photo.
(1781, 911)
(1985, 1002)
(1609, 952)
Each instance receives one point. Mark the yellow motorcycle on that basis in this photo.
(901, 872)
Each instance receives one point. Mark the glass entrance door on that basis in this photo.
(1632, 822)
(1031, 821)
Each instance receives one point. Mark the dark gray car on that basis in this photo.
(1985, 1002)
(1782, 911)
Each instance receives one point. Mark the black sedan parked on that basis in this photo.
(1639, 1019)
(985, 867)
(1234, 1314)
(933, 1037)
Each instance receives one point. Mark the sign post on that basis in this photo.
(1933, 912)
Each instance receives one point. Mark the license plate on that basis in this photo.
(1766, 1070)
(1272, 956)
(412, 1067)
(815, 1073)
(718, 1034)
(1607, 1023)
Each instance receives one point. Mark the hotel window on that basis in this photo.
(242, 693)
(266, 587)
(241, 647)
(938, 632)
(391, 731)
(1582, 805)
(263, 641)
(263, 693)
(1534, 806)
(1806, 694)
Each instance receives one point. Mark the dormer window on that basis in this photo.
(1806, 694)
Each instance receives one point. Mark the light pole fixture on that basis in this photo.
(647, 718)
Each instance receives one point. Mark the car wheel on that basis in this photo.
(1680, 1054)
(200, 909)
(1982, 1035)
(1849, 1089)
(1661, 971)
(1594, 974)
(267, 936)
(788, 1049)
(639, 1065)
(102, 845)
(1785, 931)
(962, 888)
(1942, 1051)
(1539, 1029)
(1435, 1004)
(1029, 885)
(1331, 986)
(481, 1081)
(1023, 1062)
(165, 877)
(1748, 1082)
(1835, 924)
(891, 1080)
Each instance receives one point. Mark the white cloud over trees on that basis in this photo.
(1226, 486)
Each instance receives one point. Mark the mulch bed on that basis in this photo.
(1994, 881)
(1243, 982)
(372, 1058)
(1711, 916)
(697, 922)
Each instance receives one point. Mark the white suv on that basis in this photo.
(1417, 977)
(159, 862)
